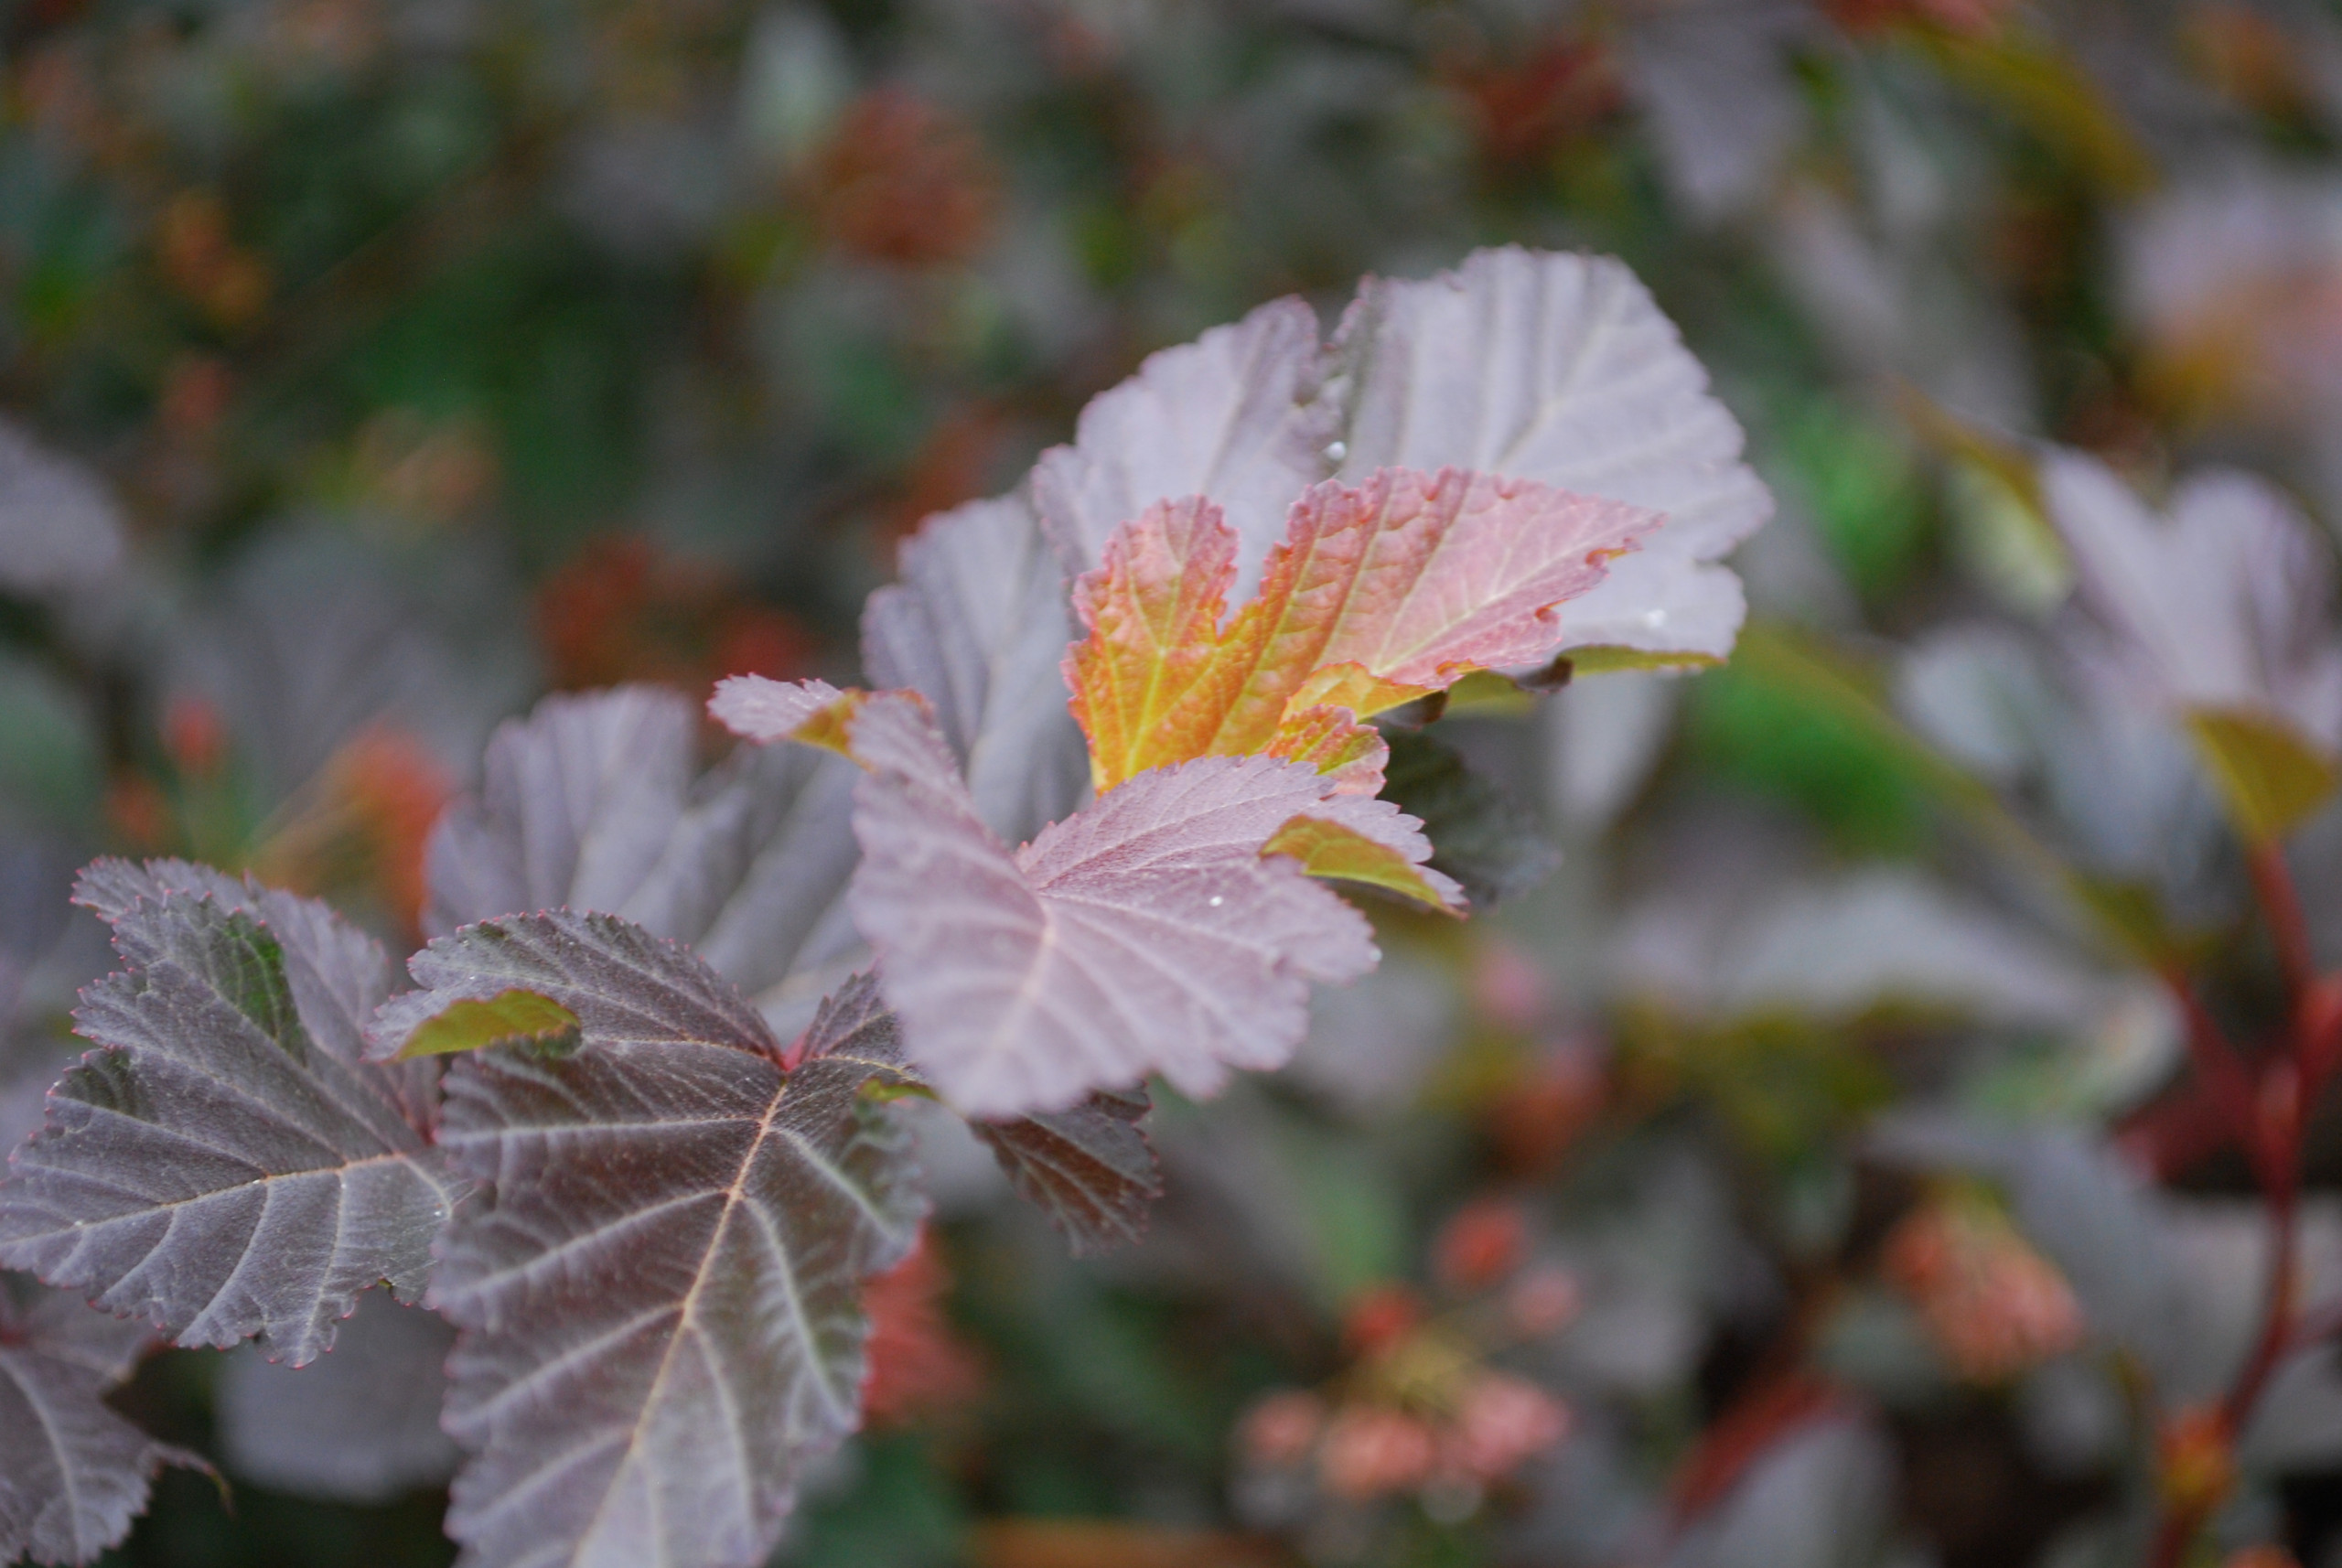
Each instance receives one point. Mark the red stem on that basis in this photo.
(2281, 903)
(2226, 1077)
(2277, 1326)
(2172, 1539)
(2272, 1137)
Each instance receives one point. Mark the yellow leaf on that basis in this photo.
(1344, 854)
(2271, 778)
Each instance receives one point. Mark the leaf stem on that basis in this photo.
(2277, 1326)
(2226, 1077)
(2269, 1118)
(2281, 904)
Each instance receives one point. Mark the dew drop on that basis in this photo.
(1217, 900)
(1336, 450)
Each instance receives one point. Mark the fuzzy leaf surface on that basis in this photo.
(72, 1473)
(659, 1307)
(225, 1165)
(590, 803)
(1560, 369)
(1378, 594)
(1146, 933)
(1090, 1167)
(1235, 415)
(978, 625)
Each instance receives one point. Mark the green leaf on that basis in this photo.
(514, 1018)
(2271, 777)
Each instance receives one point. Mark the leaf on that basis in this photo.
(60, 529)
(72, 1473)
(1234, 416)
(2271, 779)
(2224, 602)
(223, 1164)
(49, 949)
(1341, 853)
(813, 711)
(359, 1425)
(590, 804)
(508, 1018)
(1552, 367)
(977, 625)
(1717, 90)
(314, 638)
(1088, 1167)
(1560, 369)
(1480, 838)
(660, 1309)
(1377, 596)
(577, 806)
(1146, 933)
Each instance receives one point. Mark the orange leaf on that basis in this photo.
(1378, 594)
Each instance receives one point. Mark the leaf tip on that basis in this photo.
(758, 708)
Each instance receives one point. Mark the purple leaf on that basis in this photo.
(60, 529)
(764, 710)
(2225, 602)
(1088, 1168)
(72, 1473)
(978, 626)
(660, 1304)
(225, 1165)
(590, 803)
(48, 950)
(1528, 365)
(1233, 415)
(1146, 933)
(1561, 369)
(359, 1425)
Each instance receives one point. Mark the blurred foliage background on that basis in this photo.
(404, 360)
